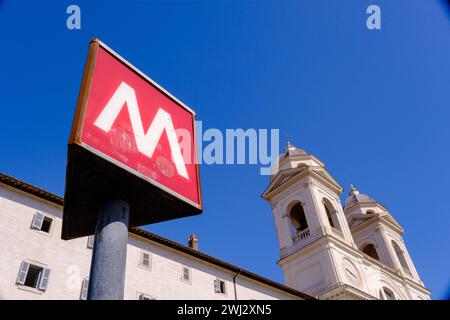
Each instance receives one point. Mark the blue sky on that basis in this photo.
(373, 105)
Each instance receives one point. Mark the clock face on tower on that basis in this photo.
(351, 271)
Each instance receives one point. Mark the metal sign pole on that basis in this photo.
(107, 275)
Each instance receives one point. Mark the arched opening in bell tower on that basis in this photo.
(387, 294)
(298, 218)
(401, 257)
(331, 215)
(371, 251)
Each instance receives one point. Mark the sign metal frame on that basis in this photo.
(79, 146)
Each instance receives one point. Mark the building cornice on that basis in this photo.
(272, 190)
(345, 290)
(30, 189)
(378, 219)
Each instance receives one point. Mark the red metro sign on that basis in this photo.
(125, 143)
(132, 121)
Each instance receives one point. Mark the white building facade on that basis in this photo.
(36, 264)
(334, 252)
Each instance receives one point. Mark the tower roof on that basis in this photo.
(292, 150)
(356, 197)
(295, 163)
(291, 157)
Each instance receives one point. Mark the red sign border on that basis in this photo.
(78, 121)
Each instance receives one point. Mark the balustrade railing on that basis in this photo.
(301, 235)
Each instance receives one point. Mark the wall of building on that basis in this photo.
(69, 261)
(19, 242)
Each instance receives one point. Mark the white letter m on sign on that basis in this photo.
(146, 142)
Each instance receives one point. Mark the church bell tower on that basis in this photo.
(318, 251)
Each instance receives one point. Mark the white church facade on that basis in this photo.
(326, 251)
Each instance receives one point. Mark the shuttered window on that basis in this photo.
(145, 260)
(186, 274)
(90, 242)
(41, 222)
(220, 286)
(142, 296)
(23, 272)
(38, 220)
(33, 276)
(84, 289)
(43, 281)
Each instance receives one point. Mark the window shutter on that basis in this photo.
(90, 242)
(145, 259)
(23, 272)
(186, 274)
(84, 289)
(44, 279)
(143, 296)
(38, 220)
(224, 288)
(217, 286)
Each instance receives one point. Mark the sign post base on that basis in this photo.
(107, 275)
